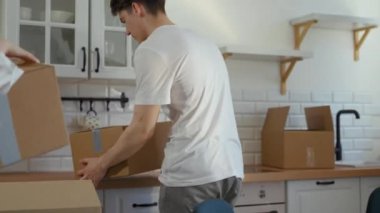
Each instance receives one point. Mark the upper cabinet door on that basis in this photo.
(56, 31)
(111, 49)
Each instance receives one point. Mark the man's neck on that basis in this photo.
(154, 22)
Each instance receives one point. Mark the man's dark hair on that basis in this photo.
(153, 6)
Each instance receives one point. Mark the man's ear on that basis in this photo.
(138, 9)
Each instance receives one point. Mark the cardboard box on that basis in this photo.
(72, 196)
(31, 116)
(298, 149)
(96, 142)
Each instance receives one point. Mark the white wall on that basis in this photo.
(266, 24)
(2, 19)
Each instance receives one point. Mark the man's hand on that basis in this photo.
(92, 170)
(12, 50)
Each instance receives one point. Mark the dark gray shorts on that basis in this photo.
(184, 199)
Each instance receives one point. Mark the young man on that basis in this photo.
(184, 74)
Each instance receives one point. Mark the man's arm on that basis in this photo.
(131, 140)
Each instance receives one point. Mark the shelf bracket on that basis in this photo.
(286, 67)
(300, 31)
(359, 40)
(226, 55)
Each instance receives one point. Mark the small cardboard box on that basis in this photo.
(96, 142)
(298, 149)
(31, 116)
(71, 196)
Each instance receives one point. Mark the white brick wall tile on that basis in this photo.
(70, 106)
(257, 133)
(372, 132)
(343, 97)
(357, 107)
(244, 107)
(93, 90)
(307, 105)
(261, 108)
(352, 132)
(257, 159)
(300, 96)
(251, 146)
(61, 152)
(71, 120)
(322, 96)
(276, 96)
(294, 108)
(250, 120)
(362, 97)
(248, 158)
(354, 155)
(21, 166)
(47, 164)
(238, 119)
(254, 95)
(347, 144)
(335, 108)
(372, 109)
(364, 121)
(120, 119)
(297, 121)
(363, 144)
(237, 94)
(246, 133)
(68, 90)
(67, 164)
(345, 120)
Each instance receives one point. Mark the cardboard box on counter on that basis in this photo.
(71, 196)
(93, 143)
(31, 116)
(298, 149)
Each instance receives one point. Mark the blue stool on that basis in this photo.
(214, 206)
(373, 205)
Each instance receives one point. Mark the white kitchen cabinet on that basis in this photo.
(131, 200)
(80, 37)
(367, 186)
(261, 197)
(327, 196)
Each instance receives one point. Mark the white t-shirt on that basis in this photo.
(187, 76)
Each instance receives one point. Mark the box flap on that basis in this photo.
(49, 196)
(37, 113)
(275, 119)
(29, 67)
(319, 118)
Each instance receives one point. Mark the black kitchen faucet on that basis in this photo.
(338, 145)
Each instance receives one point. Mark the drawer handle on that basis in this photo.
(143, 205)
(324, 183)
(275, 211)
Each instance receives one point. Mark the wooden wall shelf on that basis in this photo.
(286, 58)
(360, 27)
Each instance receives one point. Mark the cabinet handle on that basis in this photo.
(97, 60)
(84, 59)
(322, 183)
(143, 205)
(275, 211)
